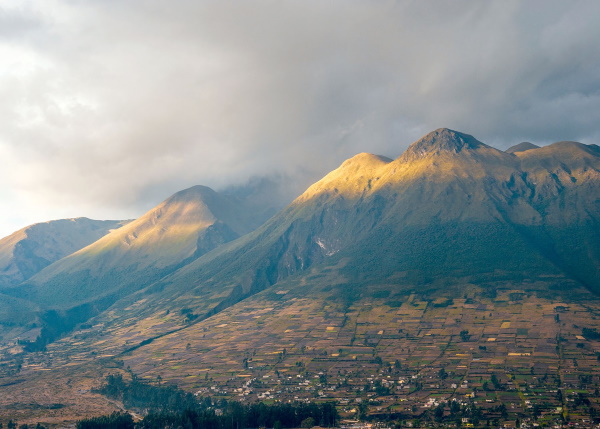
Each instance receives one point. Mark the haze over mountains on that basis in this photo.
(182, 228)
(29, 250)
(177, 231)
(449, 212)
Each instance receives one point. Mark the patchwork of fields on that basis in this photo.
(512, 355)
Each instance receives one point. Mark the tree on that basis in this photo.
(439, 412)
(308, 422)
(363, 410)
(115, 420)
(496, 382)
(503, 411)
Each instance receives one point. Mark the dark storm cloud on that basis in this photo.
(110, 106)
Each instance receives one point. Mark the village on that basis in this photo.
(471, 362)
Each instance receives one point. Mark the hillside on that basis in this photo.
(87, 282)
(180, 229)
(450, 206)
(29, 250)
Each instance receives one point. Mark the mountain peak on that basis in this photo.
(352, 177)
(521, 147)
(365, 160)
(194, 193)
(442, 140)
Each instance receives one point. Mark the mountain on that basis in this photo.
(455, 258)
(450, 206)
(180, 229)
(521, 147)
(450, 211)
(85, 283)
(564, 178)
(29, 250)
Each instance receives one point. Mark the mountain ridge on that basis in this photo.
(335, 216)
(26, 252)
(457, 181)
(181, 228)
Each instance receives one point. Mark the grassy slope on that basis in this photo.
(165, 238)
(436, 213)
(469, 213)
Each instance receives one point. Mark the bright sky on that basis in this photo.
(108, 107)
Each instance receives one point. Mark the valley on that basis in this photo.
(386, 354)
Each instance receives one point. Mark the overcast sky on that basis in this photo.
(109, 106)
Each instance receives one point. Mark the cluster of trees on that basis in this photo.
(591, 333)
(236, 416)
(169, 406)
(114, 421)
(458, 411)
(56, 323)
(136, 394)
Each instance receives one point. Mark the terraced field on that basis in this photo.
(401, 352)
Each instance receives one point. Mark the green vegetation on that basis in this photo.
(56, 323)
(113, 421)
(591, 333)
(139, 395)
(168, 406)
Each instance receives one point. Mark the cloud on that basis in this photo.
(109, 106)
